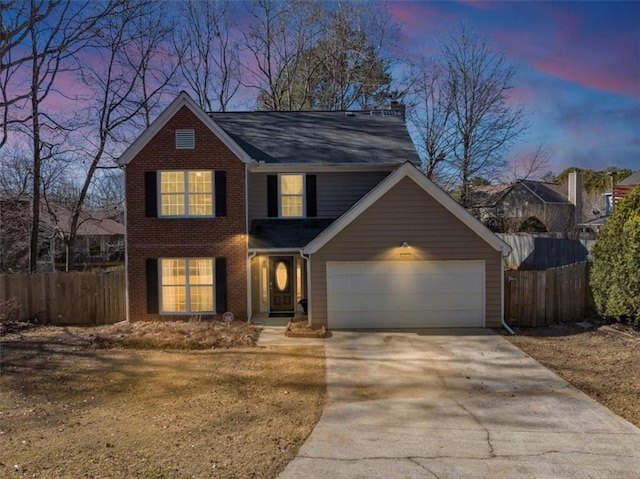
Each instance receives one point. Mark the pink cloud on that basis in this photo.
(479, 5)
(569, 49)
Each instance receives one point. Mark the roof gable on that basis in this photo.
(182, 101)
(407, 171)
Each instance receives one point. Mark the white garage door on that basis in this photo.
(400, 294)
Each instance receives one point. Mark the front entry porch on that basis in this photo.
(278, 286)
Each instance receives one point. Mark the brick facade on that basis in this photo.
(149, 238)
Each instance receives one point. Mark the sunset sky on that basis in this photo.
(579, 69)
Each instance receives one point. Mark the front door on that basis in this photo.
(280, 281)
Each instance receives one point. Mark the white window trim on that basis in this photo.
(186, 194)
(304, 195)
(188, 286)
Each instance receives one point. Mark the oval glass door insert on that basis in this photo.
(282, 276)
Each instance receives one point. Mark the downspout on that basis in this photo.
(308, 258)
(504, 323)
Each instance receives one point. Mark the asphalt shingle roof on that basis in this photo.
(290, 233)
(548, 192)
(634, 179)
(320, 137)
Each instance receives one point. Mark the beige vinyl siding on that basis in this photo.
(336, 192)
(406, 213)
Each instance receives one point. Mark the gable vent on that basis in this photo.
(185, 139)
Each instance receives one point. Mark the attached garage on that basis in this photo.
(401, 294)
(406, 256)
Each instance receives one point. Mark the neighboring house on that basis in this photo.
(505, 208)
(612, 198)
(253, 213)
(623, 188)
(99, 241)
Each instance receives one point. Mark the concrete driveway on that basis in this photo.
(441, 404)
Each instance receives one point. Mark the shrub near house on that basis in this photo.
(616, 262)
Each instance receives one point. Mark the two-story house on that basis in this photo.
(509, 207)
(254, 212)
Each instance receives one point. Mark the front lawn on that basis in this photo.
(71, 410)
(602, 361)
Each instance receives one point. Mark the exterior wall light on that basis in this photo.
(405, 245)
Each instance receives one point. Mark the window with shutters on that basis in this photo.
(187, 285)
(185, 139)
(291, 196)
(186, 193)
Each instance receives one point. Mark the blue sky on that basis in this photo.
(579, 69)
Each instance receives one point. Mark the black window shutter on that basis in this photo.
(220, 187)
(150, 194)
(152, 286)
(272, 196)
(312, 204)
(221, 285)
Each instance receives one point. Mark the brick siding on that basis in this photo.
(182, 238)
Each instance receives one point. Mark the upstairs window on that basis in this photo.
(185, 139)
(186, 193)
(291, 196)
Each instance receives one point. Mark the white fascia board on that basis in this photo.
(256, 167)
(182, 100)
(407, 171)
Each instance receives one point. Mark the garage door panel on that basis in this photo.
(409, 302)
(379, 320)
(405, 294)
(396, 283)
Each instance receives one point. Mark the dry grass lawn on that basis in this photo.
(603, 363)
(70, 410)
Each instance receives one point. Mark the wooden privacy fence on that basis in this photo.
(74, 298)
(544, 250)
(540, 298)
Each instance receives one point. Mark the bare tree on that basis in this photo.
(478, 81)
(43, 38)
(354, 67)
(281, 31)
(116, 83)
(209, 50)
(429, 111)
(17, 23)
(530, 166)
(150, 57)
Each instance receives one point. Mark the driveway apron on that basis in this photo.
(457, 404)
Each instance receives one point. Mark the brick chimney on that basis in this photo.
(575, 195)
(399, 108)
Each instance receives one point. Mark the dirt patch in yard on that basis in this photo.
(603, 361)
(70, 410)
